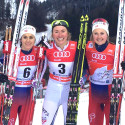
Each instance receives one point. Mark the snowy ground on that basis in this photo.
(82, 112)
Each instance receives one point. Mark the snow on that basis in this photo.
(41, 0)
(82, 111)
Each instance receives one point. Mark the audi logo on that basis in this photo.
(98, 56)
(27, 58)
(61, 54)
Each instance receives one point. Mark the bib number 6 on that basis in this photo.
(26, 73)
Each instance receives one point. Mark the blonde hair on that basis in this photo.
(69, 36)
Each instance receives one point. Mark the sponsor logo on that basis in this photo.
(44, 120)
(61, 54)
(98, 56)
(27, 58)
(91, 117)
(110, 51)
(90, 45)
(72, 46)
(45, 112)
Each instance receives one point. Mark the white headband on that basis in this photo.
(27, 29)
(101, 25)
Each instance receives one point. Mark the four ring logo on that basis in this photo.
(61, 54)
(27, 58)
(98, 56)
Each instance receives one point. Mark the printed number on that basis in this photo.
(62, 71)
(26, 72)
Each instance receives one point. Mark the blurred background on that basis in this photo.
(43, 12)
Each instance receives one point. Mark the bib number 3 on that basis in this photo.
(62, 68)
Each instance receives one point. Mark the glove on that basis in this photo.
(123, 65)
(40, 41)
(3, 77)
(43, 81)
(82, 82)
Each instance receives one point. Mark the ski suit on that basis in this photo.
(23, 92)
(100, 70)
(60, 64)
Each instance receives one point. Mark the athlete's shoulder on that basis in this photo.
(112, 45)
(89, 44)
(35, 49)
(52, 45)
(72, 44)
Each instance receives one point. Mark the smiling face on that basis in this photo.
(28, 41)
(99, 36)
(60, 35)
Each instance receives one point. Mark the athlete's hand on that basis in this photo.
(3, 77)
(43, 81)
(40, 41)
(43, 41)
(34, 83)
(81, 82)
(123, 65)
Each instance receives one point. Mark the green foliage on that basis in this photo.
(70, 10)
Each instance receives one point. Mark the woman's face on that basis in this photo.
(60, 35)
(99, 36)
(28, 41)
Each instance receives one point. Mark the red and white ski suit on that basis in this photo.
(23, 93)
(101, 70)
(60, 64)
